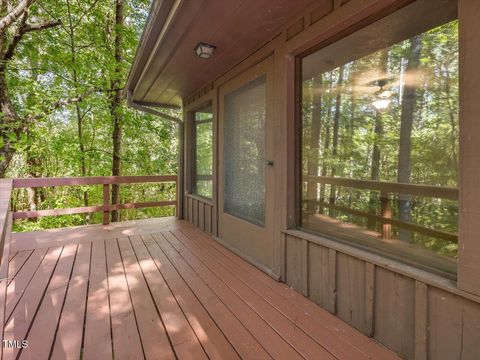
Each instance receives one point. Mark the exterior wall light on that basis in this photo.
(204, 51)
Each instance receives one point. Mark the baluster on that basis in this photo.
(106, 204)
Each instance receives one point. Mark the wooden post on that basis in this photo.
(386, 212)
(106, 204)
(469, 165)
(179, 184)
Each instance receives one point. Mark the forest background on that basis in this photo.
(63, 67)
(389, 116)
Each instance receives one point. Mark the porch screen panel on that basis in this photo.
(203, 152)
(379, 138)
(244, 152)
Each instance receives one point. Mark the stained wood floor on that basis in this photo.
(175, 293)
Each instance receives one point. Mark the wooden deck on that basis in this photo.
(159, 289)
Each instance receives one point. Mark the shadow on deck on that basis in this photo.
(159, 288)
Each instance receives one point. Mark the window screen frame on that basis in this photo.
(263, 80)
(193, 148)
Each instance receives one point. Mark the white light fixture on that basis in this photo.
(204, 51)
(383, 97)
(381, 104)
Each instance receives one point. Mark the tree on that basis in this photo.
(405, 144)
(377, 139)
(116, 103)
(71, 28)
(326, 140)
(14, 26)
(336, 124)
(314, 147)
(45, 84)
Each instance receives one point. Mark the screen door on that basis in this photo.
(246, 165)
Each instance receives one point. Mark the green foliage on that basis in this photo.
(77, 59)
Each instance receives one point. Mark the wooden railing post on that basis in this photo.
(106, 204)
(386, 212)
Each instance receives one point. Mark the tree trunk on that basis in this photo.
(81, 146)
(78, 110)
(10, 123)
(405, 147)
(452, 114)
(336, 124)
(33, 164)
(115, 105)
(375, 168)
(8, 117)
(326, 146)
(314, 156)
(376, 152)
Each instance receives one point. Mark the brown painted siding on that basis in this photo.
(388, 305)
(351, 293)
(297, 268)
(394, 311)
(200, 213)
(322, 271)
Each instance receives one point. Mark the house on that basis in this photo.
(266, 60)
(326, 198)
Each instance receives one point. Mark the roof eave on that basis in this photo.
(154, 25)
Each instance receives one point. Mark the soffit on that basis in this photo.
(170, 71)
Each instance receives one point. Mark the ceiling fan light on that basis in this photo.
(204, 51)
(381, 104)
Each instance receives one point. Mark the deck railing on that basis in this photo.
(5, 220)
(5, 229)
(106, 181)
(386, 189)
(6, 217)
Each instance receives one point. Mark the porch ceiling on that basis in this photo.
(166, 68)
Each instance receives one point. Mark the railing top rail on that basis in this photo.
(90, 180)
(389, 187)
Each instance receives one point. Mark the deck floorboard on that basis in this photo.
(125, 333)
(97, 343)
(69, 335)
(315, 318)
(16, 263)
(174, 293)
(181, 334)
(41, 334)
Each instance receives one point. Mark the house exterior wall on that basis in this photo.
(199, 211)
(417, 314)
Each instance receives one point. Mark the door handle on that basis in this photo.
(269, 163)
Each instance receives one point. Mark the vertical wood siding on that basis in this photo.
(321, 282)
(297, 268)
(414, 319)
(394, 309)
(200, 213)
(351, 291)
